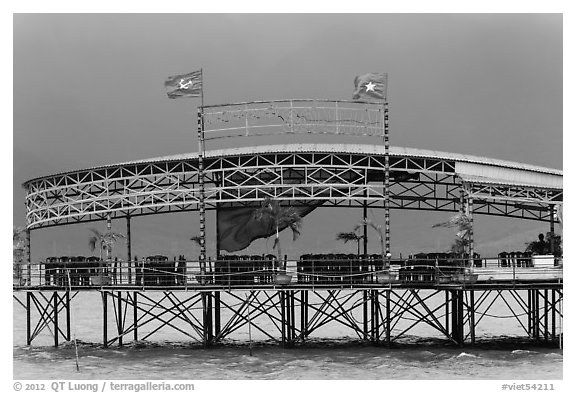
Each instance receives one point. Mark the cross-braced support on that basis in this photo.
(45, 312)
(186, 314)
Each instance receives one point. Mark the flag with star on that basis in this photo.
(370, 86)
(187, 85)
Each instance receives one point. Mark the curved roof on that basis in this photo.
(471, 168)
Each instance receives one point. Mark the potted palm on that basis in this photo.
(104, 241)
(277, 217)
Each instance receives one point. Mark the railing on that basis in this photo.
(314, 272)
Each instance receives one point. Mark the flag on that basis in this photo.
(188, 85)
(238, 228)
(370, 86)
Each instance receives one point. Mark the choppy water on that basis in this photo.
(503, 353)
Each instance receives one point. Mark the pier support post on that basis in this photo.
(283, 316)
(105, 318)
(55, 305)
(28, 321)
(388, 342)
(67, 308)
(135, 309)
(472, 312)
(119, 322)
(217, 326)
(129, 248)
(303, 313)
(553, 312)
(365, 313)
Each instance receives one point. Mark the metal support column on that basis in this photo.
(472, 311)
(388, 316)
(67, 307)
(119, 323)
(283, 316)
(365, 313)
(217, 326)
(135, 309)
(553, 311)
(303, 313)
(55, 305)
(28, 321)
(129, 248)
(105, 318)
(552, 229)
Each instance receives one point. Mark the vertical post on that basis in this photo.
(388, 342)
(135, 309)
(249, 322)
(472, 311)
(546, 316)
(303, 318)
(283, 316)
(216, 314)
(105, 319)
(372, 320)
(365, 227)
(209, 314)
(537, 313)
(28, 322)
(201, 202)
(530, 333)
(552, 229)
(376, 315)
(461, 317)
(387, 180)
(553, 310)
(365, 312)
(470, 211)
(204, 319)
(129, 248)
(55, 305)
(67, 306)
(119, 323)
(447, 310)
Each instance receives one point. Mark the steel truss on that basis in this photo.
(290, 316)
(334, 179)
(45, 312)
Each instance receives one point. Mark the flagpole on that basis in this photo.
(386, 173)
(201, 202)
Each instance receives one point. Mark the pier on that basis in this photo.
(370, 304)
(210, 297)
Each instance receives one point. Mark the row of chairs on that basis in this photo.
(445, 259)
(515, 258)
(337, 268)
(158, 270)
(245, 269)
(78, 269)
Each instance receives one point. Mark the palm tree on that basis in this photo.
(17, 250)
(464, 224)
(378, 229)
(104, 241)
(350, 236)
(276, 217)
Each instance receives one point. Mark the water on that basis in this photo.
(332, 353)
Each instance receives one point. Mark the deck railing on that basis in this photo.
(242, 273)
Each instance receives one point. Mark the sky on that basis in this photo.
(88, 90)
